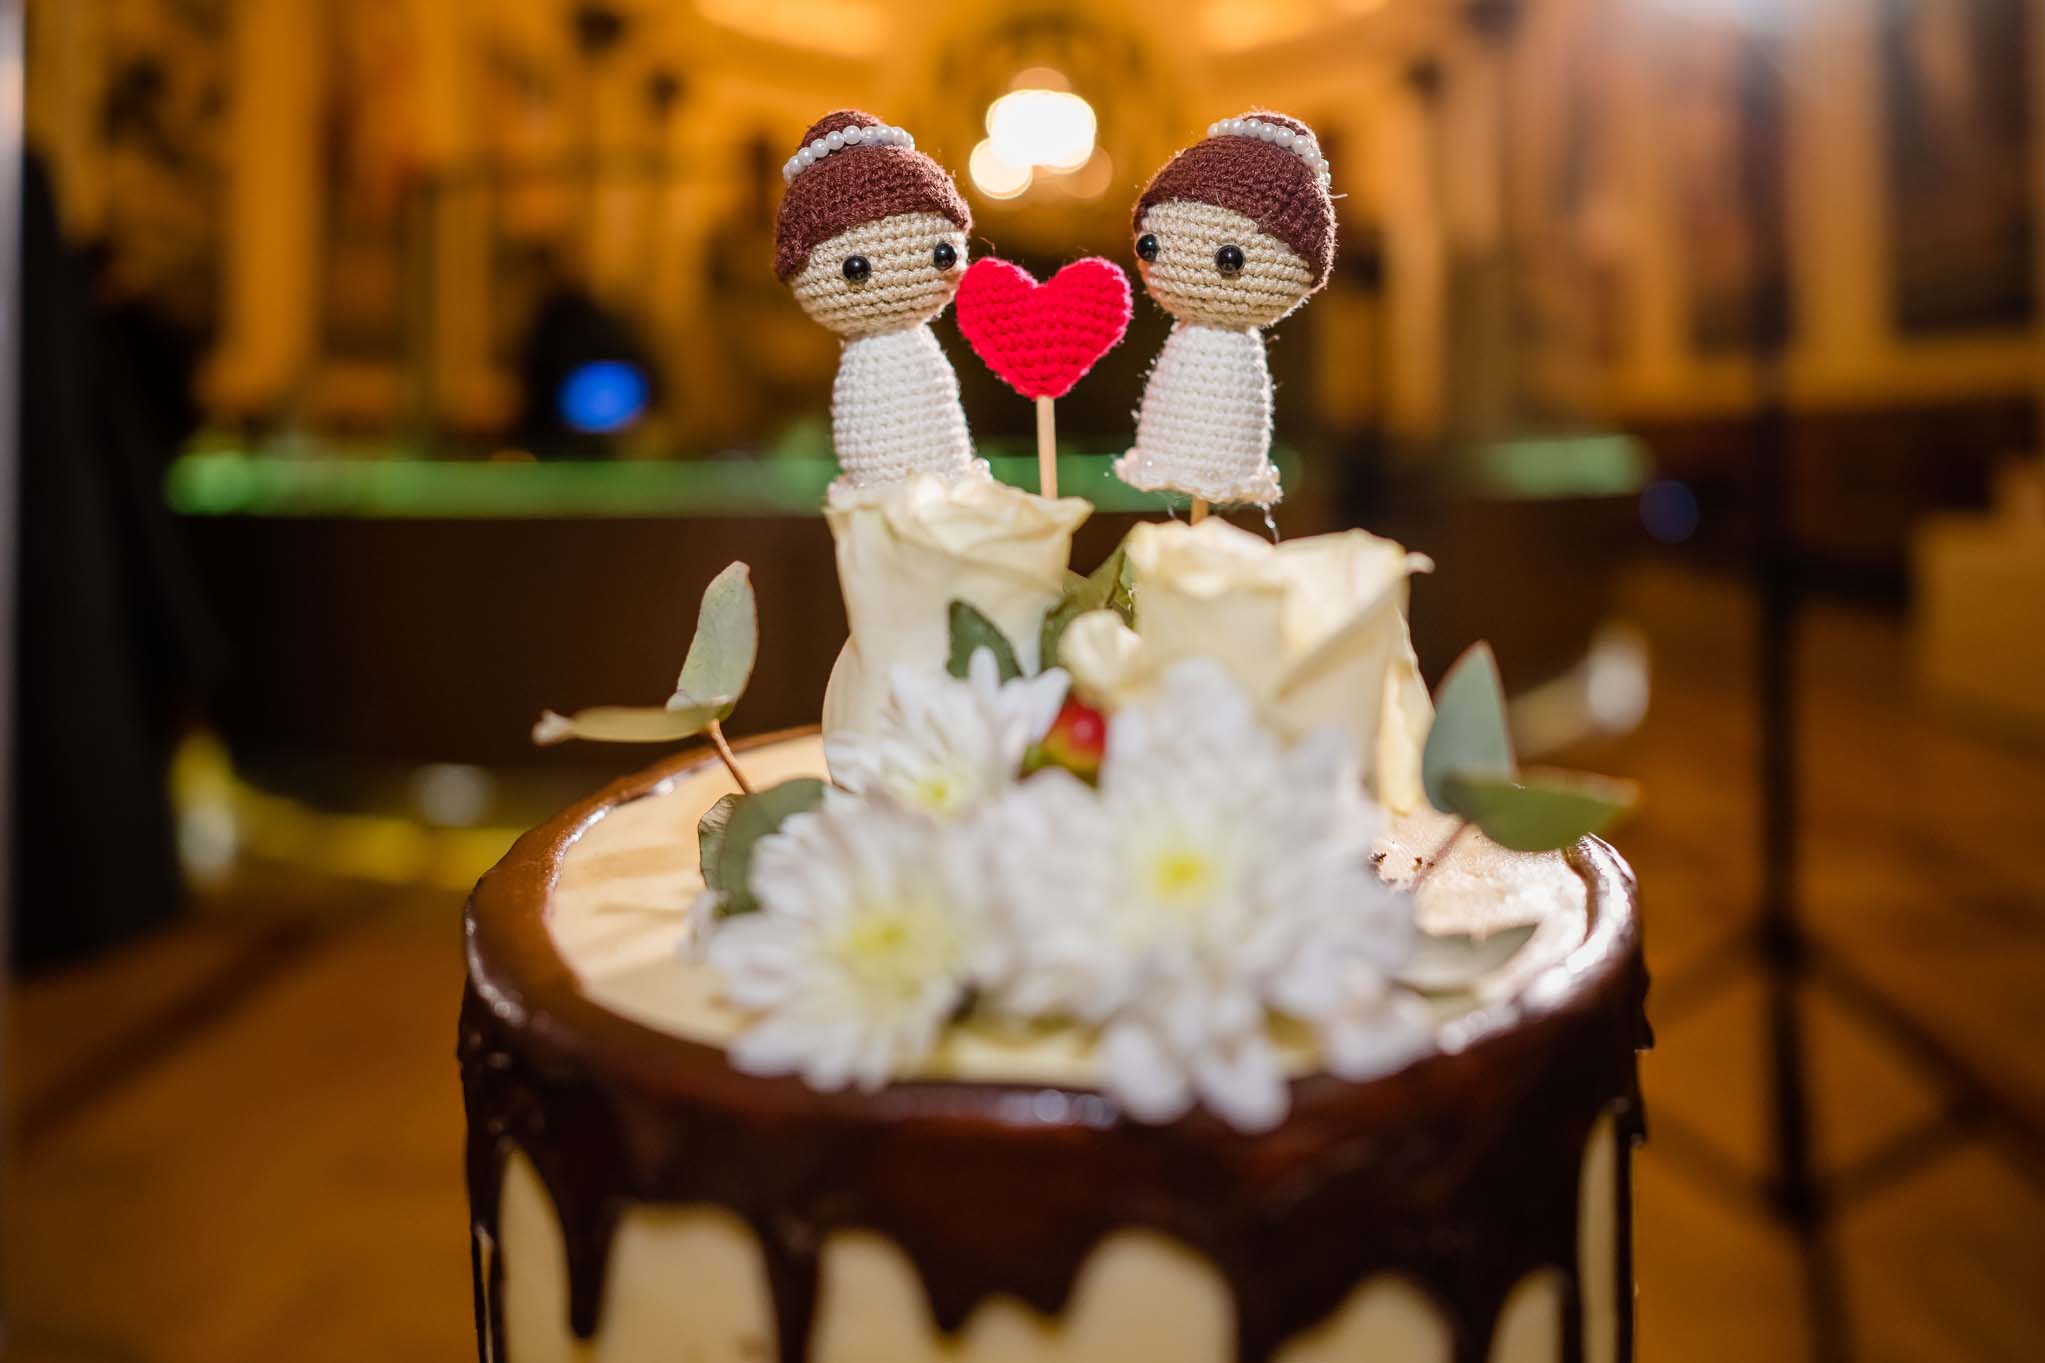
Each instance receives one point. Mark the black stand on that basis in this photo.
(12, 55)
(1804, 1198)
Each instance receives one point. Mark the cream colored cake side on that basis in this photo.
(688, 1283)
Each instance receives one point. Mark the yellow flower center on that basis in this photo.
(893, 951)
(939, 792)
(1183, 877)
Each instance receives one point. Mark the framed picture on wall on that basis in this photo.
(1960, 145)
(1573, 297)
(1724, 97)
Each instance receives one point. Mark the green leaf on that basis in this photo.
(727, 642)
(710, 831)
(629, 723)
(1115, 581)
(1057, 618)
(754, 817)
(971, 632)
(1107, 587)
(1539, 811)
(1469, 735)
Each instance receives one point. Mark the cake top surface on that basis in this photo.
(609, 892)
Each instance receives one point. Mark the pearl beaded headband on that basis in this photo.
(1301, 145)
(883, 136)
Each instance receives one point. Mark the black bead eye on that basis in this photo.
(944, 255)
(1146, 246)
(1229, 260)
(857, 269)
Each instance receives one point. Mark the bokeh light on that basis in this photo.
(1091, 180)
(453, 794)
(1032, 128)
(1668, 510)
(1052, 128)
(1040, 78)
(604, 396)
(993, 175)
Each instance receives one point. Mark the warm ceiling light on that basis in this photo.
(1077, 161)
(994, 175)
(1091, 180)
(1050, 128)
(1088, 180)
(1040, 78)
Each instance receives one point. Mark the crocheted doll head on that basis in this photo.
(1238, 229)
(871, 234)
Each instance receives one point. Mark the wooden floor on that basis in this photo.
(239, 1143)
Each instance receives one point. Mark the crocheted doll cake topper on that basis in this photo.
(1232, 235)
(1041, 339)
(871, 238)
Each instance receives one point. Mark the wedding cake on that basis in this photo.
(1135, 963)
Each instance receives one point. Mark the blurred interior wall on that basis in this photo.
(1637, 102)
(1555, 187)
(472, 111)
(271, 211)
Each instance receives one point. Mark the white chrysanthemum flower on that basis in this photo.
(870, 932)
(947, 745)
(1217, 877)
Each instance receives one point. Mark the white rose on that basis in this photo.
(908, 550)
(1105, 659)
(1314, 630)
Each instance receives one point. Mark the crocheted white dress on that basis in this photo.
(895, 411)
(1205, 424)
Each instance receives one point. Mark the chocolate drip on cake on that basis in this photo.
(1460, 1173)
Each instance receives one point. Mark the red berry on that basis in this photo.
(1084, 727)
(1075, 741)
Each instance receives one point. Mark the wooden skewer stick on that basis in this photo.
(730, 758)
(1047, 449)
(1441, 854)
(1199, 510)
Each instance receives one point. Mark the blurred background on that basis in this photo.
(394, 369)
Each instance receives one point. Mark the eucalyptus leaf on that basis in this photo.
(727, 641)
(1539, 811)
(970, 632)
(754, 817)
(710, 831)
(1469, 736)
(1115, 582)
(630, 723)
(1449, 964)
(1107, 587)
(1061, 614)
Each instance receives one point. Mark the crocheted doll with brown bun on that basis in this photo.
(871, 236)
(1234, 233)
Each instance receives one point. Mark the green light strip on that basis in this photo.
(1562, 468)
(237, 483)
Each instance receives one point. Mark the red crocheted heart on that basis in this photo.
(1042, 338)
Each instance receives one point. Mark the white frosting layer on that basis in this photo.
(688, 1283)
(617, 917)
